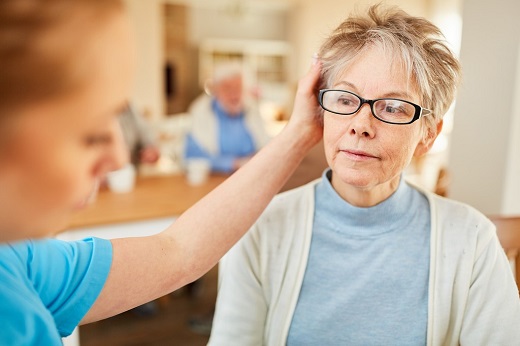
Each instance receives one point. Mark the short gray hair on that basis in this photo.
(417, 43)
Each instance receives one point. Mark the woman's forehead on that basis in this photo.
(376, 71)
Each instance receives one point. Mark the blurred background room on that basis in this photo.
(181, 42)
(476, 159)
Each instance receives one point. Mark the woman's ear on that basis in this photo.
(427, 142)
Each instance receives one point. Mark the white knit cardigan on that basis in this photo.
(473, 299)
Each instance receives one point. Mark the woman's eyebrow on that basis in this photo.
(347, 85)
(392, 94)
(398, 94)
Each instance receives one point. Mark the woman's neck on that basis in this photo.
(365, 197)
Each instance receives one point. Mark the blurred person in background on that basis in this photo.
(138, 136)
(225, 129)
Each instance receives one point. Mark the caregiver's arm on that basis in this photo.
(148, 267)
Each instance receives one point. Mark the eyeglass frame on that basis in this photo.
(419, 111)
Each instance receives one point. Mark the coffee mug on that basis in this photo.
(122, 180)
(198, 170)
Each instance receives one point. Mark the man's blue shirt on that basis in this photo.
(234, 141)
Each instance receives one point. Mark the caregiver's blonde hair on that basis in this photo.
(41, 46)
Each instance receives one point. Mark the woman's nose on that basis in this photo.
(115, 154)
(119, 151)
(362, 122)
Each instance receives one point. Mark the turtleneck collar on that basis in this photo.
(392, 213)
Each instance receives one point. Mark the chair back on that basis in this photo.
(508, 231)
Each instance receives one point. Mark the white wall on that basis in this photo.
(485, 158)
(214, 22)
(511, 193)
(313, 20)
(447, 15)
(146, 17)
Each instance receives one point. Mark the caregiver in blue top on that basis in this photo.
(66, 72)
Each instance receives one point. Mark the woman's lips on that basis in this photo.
(358, 155)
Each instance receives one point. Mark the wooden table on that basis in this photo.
(152, 197)
(154, 203)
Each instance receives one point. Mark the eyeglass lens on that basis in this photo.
(391, 110)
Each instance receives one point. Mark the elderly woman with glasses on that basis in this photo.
(361, 257)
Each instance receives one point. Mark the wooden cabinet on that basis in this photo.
(177, 63)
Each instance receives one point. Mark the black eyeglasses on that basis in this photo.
(388, 110)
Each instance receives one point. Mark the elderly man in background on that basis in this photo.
(225, 130)
(138, 136)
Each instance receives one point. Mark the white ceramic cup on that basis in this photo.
(197, 170)
(122, 180)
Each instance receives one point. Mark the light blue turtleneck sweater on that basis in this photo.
(366, 281)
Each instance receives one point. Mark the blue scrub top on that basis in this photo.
(47, 287)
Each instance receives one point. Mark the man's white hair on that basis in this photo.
(225, 71)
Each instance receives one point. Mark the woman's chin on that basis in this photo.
(57, 227)
(354, 179)
(81, 204)
(36, 231)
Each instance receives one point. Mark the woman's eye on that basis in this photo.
(393, 110)
(345, 101)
